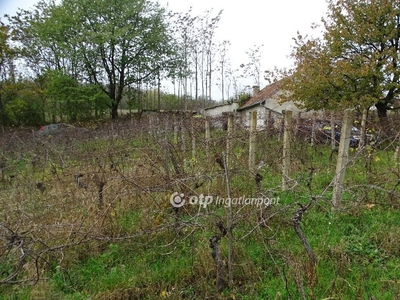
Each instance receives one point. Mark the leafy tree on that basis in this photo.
(8, 85)
(356, 61)
(7, 53)
(110, 44)
(121, 43)
(23, 103)
(43, 37)
(67, 97)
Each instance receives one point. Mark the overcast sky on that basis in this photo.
(272, 23)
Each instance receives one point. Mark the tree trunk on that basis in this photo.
(114, 110)
(382, 111)
(382, 115)
(116, 97)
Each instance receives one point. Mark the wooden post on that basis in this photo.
(157, 130)
(314, 116)
(166, 148)
(281, 126)
(253, 141)
(176, 130)
(208, 136)
(166, 126)
(363, 129)
(343, 157)
(193, 134)
(397, 150)
(183, 134)
(287, 115)
(150, 117)
(268, 122)
(229, 139)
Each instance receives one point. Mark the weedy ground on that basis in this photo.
(88, 216)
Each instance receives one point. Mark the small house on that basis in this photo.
(268, 106)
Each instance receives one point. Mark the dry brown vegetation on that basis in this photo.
(87, 213)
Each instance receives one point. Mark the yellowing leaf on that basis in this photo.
(163, 294)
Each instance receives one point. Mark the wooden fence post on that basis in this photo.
(229, 139)
(208, 135)
(157, 130)
(176, 130)
(151, 125)
(183, 134)
(287, 133)
(253, 141)
(166, 126)
(193, 134)
(363, 129)
(268, 122)
(397, 150)
(343, 157)
(313, 135)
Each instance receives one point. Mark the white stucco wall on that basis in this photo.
(219, 110)
(262, 115)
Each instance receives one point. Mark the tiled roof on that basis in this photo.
(268, 92)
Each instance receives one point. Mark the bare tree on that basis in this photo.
(221, 68)
(252, 69)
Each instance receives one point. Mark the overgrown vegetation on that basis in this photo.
(88, 215)
(75, 60)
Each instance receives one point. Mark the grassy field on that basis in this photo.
(88, 215)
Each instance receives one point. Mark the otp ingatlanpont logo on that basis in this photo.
(177, 199)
